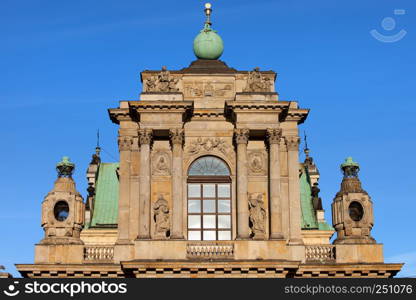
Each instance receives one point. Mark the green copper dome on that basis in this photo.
(208, 44)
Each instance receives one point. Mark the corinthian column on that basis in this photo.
(176, 136)
(124, 144)
(274, 136)
(145, 137)
(241, 139)
(292, 143)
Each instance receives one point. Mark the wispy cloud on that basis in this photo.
(409, 258)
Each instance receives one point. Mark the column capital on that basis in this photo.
(292, 142)
(125, 143)
(274, 135)
(241, 135)
(176, 136)
(145, 136)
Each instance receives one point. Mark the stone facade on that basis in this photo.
(207, 110)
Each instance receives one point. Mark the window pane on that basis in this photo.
(209, 235)
(194, 190)
(209, 190)
(224, 235)
(194, 235)
(209, 221)
(224, 206)
(194, 221)
(224, 221)
(194, 206)
(209, 206)
(224, 191)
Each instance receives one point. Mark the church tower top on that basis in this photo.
(208, 44)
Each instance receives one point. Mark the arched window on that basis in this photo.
(209, 200)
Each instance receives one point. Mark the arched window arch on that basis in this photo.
(209, 199)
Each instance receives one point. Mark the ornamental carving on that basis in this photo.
(145, 136)
(209, 89)
(176, 136)
(241, 136)
(208, 144)
(125, 143)
(257, 215)
(292, 143)
(162, 82)
(256, 82)
(161, 163)
(161, 218)
(257, 163)
(274, 135)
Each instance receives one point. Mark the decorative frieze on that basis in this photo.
(241, 135)
(210, 250)
(125, 143)
(208, 144)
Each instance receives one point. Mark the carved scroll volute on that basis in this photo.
(292, 143)
(125, 143)
(145, 136)
(274, 135)
(241, 136)
(176, 136)
(161, 218)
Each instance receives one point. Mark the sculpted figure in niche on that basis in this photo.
(256, 82)
(161, 218)
(257, 215)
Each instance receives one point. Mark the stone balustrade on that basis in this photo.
(98, 253)
(210, 250)
(321, 253)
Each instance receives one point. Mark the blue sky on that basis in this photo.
(63, 63)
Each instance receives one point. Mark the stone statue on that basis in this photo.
(316, 200)
(162, 82)
(256, 82)
(161, 218)
(257, 215)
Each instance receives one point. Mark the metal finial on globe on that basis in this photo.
(65, 167)
(208, 44)
(350, 168)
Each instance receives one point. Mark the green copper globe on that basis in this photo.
(208, 44)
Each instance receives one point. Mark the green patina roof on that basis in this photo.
(107, 189)
(106, 196)
(309, 220)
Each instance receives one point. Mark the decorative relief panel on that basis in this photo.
(208, 144)
(257, 82)
(161, 163)
(209, 89)
(257, 162)
(162, 82)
